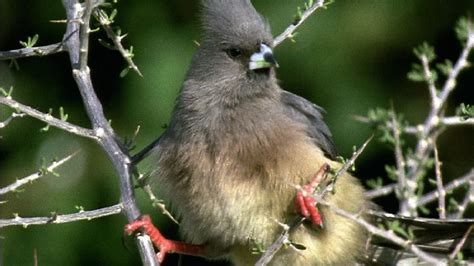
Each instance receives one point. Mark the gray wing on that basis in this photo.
(311, 115)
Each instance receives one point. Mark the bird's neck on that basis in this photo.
(227, 92)
(226, 108)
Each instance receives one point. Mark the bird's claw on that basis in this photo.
(163, 244)
(305, 201)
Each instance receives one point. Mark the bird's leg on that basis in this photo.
(164, 245)
(305, 201)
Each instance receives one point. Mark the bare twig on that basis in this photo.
(59, 219)
(458, 182)
(457, 121)
(346, 166)
(468, 198)
(116, 39)
(417, 129)
(288, 32)
(158, 203)
(386, 234)
(32, 51)
(439, 185)
(379, 192)
(284, 237)
(29, 179)
(427, 198)
(429, 80)
(459, 246)
(35, 257)
(48, 119)
(7, 121)
(400, 161)
(77, 46)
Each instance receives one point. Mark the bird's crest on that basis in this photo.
(228, 20)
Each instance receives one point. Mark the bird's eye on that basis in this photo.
(234, 52)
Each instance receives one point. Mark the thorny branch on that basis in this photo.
(432, 121)
(427, 198)
(430, 80)
(65, 218)
(439, 185)
(456, 121)
(78, 45)
(48, 118)
(282, 239)
(399, 158)
(458, 182)
(9, 119)
(105, 22)
(417, 129)
(288, 32)
(346, 166)
(379, 192)
(32, 51)
(468, 198)
(158, 203)
(29, 179)
(461, 243)
(387, 234)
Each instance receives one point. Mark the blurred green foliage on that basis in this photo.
(350, 58)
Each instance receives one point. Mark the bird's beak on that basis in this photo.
(263, 58)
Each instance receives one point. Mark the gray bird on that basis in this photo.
(238, 144)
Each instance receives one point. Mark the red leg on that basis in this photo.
(305, 201)
(164, 245)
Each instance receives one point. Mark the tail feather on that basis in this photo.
(438, 237)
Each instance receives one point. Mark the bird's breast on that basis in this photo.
(233, 181)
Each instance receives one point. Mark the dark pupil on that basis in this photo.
(234, 52)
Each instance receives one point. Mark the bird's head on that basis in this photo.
(236, 41)
(234, 62)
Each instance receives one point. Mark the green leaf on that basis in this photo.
(452, 204)
(425, 50)
(446, 67)
(466, 111)
(424, 210)
(130, 53)
(106, 44)
(256, 247)
(417, 73)
(63, 115)
(124, 72)
(375, 183)
(392, 172)
(30, 42)
(46, 128)
(327, 3)
(5, 93)
(112, 15)
(462, 29)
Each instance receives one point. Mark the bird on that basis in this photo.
(238, 147)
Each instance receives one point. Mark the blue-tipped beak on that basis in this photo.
(263, 58)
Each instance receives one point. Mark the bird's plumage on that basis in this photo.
(238, 144)
(311, 115)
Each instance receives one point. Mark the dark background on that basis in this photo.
(349, 58)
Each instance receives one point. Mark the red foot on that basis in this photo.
(164, 245)
(305, 202)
